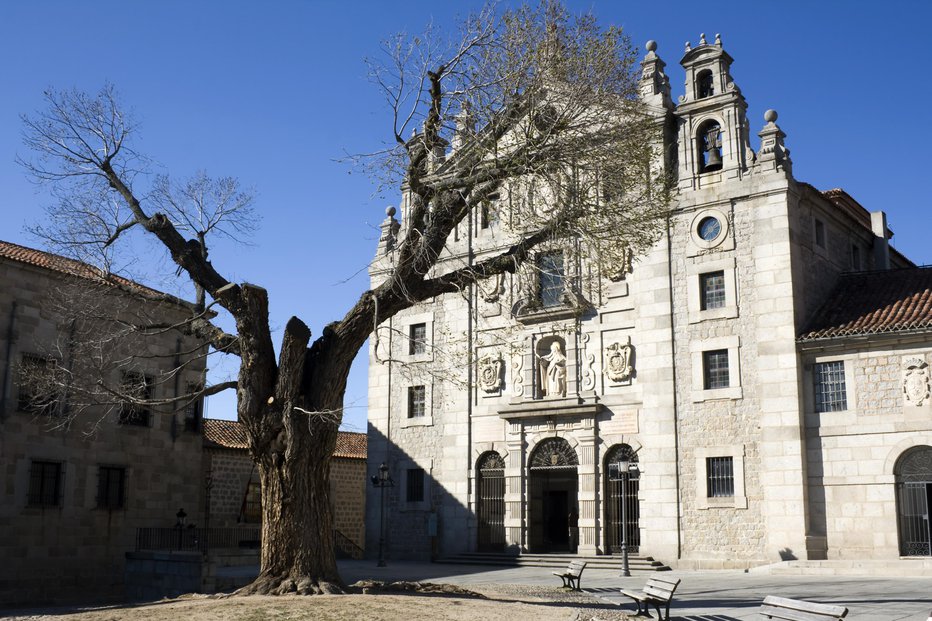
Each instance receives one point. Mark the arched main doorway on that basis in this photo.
(553, 491)
(913, 472)
(622, 511)
(490, 501)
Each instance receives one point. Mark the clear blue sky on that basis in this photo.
(276, 92)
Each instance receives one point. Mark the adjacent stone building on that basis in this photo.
(75, 484)
(754, 388)
(235, 493)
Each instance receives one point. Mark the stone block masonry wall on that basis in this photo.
(853, 453)
(348, 495)
(230, 471)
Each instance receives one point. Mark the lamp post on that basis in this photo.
(382, 480)
(625, 469)
(181, 515)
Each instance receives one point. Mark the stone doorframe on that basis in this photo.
(527, 428)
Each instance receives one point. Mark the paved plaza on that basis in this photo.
(702, 596)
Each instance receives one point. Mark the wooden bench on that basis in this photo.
(798, 610)
(657, 591)
(572, 575)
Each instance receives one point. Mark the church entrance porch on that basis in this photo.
(553, 498)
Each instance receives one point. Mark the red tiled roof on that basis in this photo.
(224, 434)
(875, 303)
(230, 434)
(69, 267)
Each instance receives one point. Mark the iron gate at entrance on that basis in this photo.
(622, 511)
(490, 502)
(914, 498)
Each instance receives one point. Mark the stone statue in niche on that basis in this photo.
(552, 369)
(490, 373)
(916, 381)
(618, 362)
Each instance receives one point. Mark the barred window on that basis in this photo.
(194, 410)
(417, 343)
(251, 512)
(36, 385)
(416, 401)
(712, 286)
(820, 233)
(552, 273)
(415, 485)
(715, 369)
(720, 477)
(830, 393)
(138, 386)
(111, 486)
(45, 485)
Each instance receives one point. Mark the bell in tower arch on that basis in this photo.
(711, 141)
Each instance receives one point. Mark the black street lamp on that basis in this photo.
(181, 515)
(625, 469)
(382, 480)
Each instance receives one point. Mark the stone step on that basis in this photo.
(850, 567)
(613, 562)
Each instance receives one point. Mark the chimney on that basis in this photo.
(881, 235)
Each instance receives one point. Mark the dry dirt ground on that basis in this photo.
(482, 603)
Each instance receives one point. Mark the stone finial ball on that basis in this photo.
(651, 46)
(390, 211)
(770, 116)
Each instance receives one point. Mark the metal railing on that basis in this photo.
(197, 539)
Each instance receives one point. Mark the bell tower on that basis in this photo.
(714, 140)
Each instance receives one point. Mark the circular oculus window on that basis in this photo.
(709, 228)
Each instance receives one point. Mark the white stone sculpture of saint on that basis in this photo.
(553, 372)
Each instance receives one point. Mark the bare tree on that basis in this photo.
(532, 100)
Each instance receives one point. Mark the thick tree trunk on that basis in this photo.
(297, 524)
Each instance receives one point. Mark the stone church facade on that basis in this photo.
(754, 388)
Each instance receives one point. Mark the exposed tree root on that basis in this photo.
(424, 588)
(290, 585)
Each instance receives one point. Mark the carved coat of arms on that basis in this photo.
(916, 381)
(490, 373)
(618, 361)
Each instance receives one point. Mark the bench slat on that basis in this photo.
(798, 610)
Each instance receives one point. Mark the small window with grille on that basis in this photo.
(138, 386)
(417, 334)
(720, 477)
(414, 485)
(417, 401)
(712, 288)
(37, 380)
(45, 484)
(715, 369)
(111, 486)
(830, 390)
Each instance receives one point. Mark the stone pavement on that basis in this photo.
(701, 596)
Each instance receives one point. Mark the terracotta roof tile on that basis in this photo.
(69, 267)
(230, 434)
(874, 303)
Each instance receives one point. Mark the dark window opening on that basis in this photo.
(855, 257)
(415, 485)
(45, 484)
(37, 385)
(194, 410)
(715, 369)
(704, 84)
(137, 386)
(111, 485)
(820, 233)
